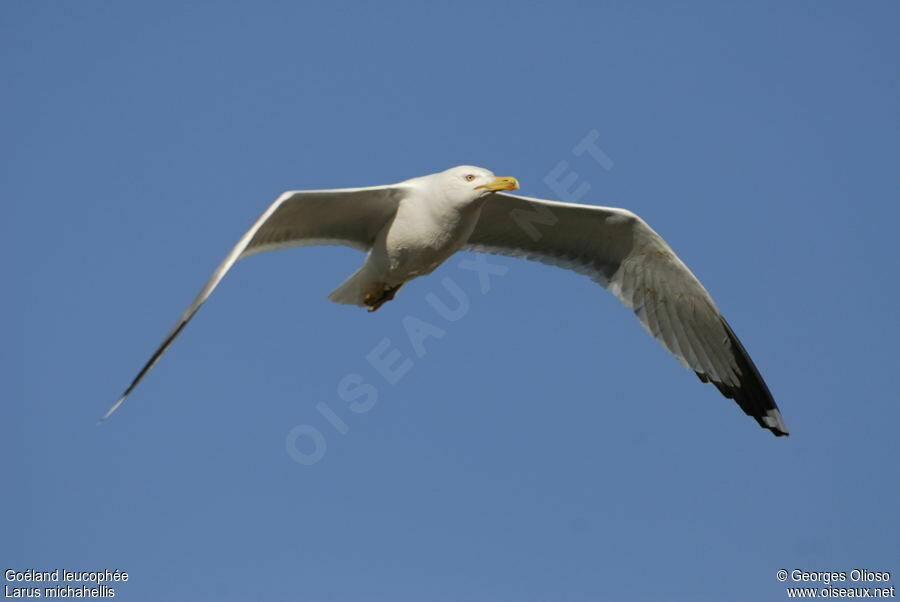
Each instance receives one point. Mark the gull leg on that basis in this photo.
(376, 300)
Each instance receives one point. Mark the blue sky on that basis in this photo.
(544, 447)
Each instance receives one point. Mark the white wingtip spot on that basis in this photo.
(111, 410)
(774, 420)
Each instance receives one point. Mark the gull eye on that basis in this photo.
(469, 178)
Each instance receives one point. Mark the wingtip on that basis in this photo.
(751, 392)
(775, 423)
(110, 411)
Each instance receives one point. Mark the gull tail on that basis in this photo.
(353, 290)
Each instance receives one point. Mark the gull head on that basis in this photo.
(465, 184)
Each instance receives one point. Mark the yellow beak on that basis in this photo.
(501, 184)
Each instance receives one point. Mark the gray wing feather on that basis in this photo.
(349, 216)
(621, 252)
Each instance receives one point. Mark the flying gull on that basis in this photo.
(408, 229)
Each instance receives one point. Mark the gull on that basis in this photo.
(408, 229)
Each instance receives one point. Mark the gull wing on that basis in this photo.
(617, 249)
(348, 216)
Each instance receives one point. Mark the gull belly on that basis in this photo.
(424, 232)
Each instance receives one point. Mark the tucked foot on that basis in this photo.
(376, 299)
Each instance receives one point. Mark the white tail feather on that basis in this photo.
(354, 289)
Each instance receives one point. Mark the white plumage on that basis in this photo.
(409, 229)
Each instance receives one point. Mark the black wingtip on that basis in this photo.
(751, 393)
